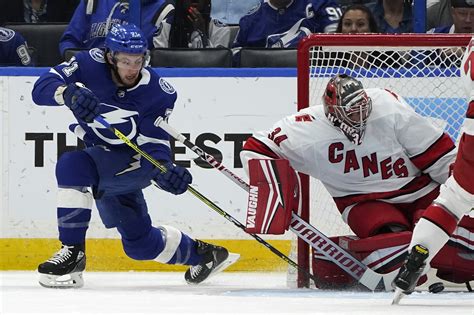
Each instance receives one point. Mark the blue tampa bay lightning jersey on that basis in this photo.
(267, 26)
(133, 111)
(93, 18)
(13, 49)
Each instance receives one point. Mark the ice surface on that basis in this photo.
(226, 293)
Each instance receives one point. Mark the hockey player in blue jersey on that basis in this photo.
(13, 49)
(283, 23)
(117, 84)
(92, 20)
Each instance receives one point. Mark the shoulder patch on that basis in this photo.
(165, 86)
(97, 54)
(6, 34)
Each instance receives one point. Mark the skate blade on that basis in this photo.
(397, 296)
(231, 259)
(69, 281)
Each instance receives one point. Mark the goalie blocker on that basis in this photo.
(273, 195)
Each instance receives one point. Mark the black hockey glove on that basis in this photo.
(81, 101)
(175, 180)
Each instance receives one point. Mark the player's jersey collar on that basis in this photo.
(145, 79)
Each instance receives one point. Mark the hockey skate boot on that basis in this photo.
(406, 279)
(214, 259)
(64, 269)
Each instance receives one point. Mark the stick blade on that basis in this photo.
(397, 296)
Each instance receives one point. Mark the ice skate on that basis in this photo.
(64, 269)
(215, 259)
(407, 278)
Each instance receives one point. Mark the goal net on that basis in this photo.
(424, 69)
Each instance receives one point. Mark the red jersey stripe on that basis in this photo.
(257, 146)
(413, 186)
(437, 150)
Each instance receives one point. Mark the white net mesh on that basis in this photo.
(427, 75)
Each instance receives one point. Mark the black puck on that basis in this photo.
(436, 287)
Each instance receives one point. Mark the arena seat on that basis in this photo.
(234, 29)
(267, 58)
(44, 38)
(191, 58)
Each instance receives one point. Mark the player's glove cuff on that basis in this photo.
(58, 94)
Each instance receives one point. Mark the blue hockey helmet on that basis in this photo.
(126, 38)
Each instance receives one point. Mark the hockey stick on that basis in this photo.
(316, 239)
(201, 197)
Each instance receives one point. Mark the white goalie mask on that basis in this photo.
(347, 106)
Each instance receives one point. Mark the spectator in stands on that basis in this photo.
(462, 13)
(194, 28)
(13, 49)
(282, 23)
(393, 16)
(38, 11)
(230, 11)
(191, 24)
(438, 14)
(93, 19)
(347, 3)
(357, 18)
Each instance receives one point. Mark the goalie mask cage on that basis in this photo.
(424, 69)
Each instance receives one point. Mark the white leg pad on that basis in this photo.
(454, 198)
(73, 198)
(172, 238)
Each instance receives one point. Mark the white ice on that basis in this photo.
(226, 293)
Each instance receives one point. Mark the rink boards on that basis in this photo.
(217, 108)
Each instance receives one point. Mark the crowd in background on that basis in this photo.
(232, 24)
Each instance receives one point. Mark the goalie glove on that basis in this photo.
(274, 194)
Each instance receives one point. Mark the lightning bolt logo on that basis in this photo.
(115, 117)
(133, 165)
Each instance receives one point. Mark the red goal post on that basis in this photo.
(423, 68)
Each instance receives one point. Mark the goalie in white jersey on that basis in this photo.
(381, 162)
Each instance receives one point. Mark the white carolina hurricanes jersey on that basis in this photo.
(403, 156)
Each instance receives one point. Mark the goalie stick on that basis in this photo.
(316, 239)
(201, 197)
